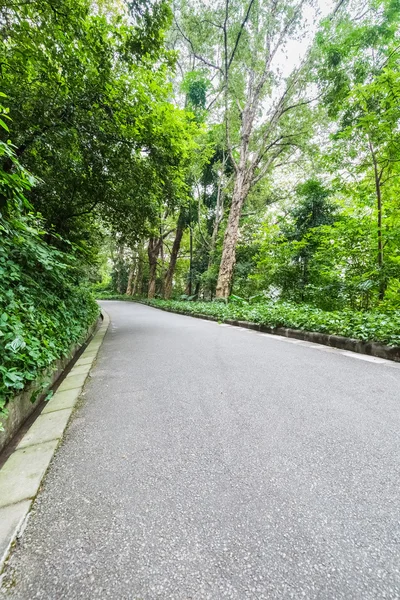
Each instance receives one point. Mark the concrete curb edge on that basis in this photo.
(23, 472)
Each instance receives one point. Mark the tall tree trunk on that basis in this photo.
(169, 276)
(162, 273)
(240, 191)
(119, 268)
(377, 177)
(244, 172)
(382, 284)
(153, 250)
(129, 287)
(138, 283)
(189, 285)
(152, 280)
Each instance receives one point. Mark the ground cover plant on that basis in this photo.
(44, 309)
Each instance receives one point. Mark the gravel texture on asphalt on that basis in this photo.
(210, 462)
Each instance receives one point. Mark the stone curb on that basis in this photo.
(23, 472)
(334, 341)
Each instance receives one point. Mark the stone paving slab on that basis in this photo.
(80, 369)
(47, 427)
(73, 381)
(11, 519)
(61, 400)
(94, 345)
(85, 360)
(22, 473)
(92, 354)
(92, 350)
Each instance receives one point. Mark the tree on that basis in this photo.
(313, 211)
(262, 126)
(359, 70)
(183, 221)
(92, 119)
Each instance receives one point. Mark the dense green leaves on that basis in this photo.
(89, 98)
(358, 70)
(44, 308)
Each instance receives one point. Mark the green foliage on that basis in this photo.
(323, 226)
(309, 231)
(44, 306)
(375, 326)
(16, 181)
(110, 295)
(289, 261)
(90, 100)
(358, 71)
(195, 86)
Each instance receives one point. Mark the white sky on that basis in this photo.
(295, 50)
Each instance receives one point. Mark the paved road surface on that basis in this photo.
(208, 461)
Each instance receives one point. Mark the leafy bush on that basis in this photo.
(375, 326)
(44, 308)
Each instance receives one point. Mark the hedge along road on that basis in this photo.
(208, 461)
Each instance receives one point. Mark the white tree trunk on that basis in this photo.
(228, 259)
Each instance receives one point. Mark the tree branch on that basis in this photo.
(239, 35)
(198, 56)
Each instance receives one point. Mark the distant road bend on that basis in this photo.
(211, 462)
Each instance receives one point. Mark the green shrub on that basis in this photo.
(44, 308)
(110, 295)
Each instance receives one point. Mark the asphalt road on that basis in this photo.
(206, 461)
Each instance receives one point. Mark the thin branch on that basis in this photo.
(266, 167)
(164, 235)
(226, 80)
(83, 212)
(198, 56)
(337, 7)
(214, 100)
(302, 103)
(271, 54)
(388, 58)
(239, 35)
